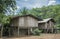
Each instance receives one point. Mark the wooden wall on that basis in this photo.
(41, 25)
(50, 25)
(25, 22)
(32, 22)
(46, 25)
(28, 22)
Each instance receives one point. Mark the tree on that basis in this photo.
(51, 11)
(5, 7)
(7, 4)
(23, 11)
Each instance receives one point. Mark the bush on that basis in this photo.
(36, 32)
(58, 28)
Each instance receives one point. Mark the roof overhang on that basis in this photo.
(46, 20)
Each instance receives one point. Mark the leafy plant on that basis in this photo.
(36, 32)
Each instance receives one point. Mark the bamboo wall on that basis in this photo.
(46, 25)
(41, 25)
(50, 25)
(25, 22)
(28, 22)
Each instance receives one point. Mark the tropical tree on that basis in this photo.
(5, 7)
(23, 11)
(7, 4)
(51, 11)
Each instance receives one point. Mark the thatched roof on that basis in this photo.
(46, 20)
(26, 16)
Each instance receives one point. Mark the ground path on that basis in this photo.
(43, 36)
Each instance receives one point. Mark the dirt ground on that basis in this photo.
(42, 36)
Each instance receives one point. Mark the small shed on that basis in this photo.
(47, 25)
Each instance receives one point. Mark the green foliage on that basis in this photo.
(5, 6)
(6, 20)
(36, 32)
(57, 26)
(23, 11)
(52, 11)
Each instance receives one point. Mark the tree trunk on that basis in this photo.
(2, 31)
(9, 31)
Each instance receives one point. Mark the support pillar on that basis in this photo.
(52, 30)
(46, 27)
(18, 31)
(28, 32)
(51, 26)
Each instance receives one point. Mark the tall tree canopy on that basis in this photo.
(7, 4)
(5, 7)
(52, 11)
(23, 11)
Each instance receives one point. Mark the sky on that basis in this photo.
(35, 3)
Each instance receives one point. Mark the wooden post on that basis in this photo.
(28, 32)
(46, 27)
(31, 30)
(51, 26)
(52, 30)
(18, 31)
